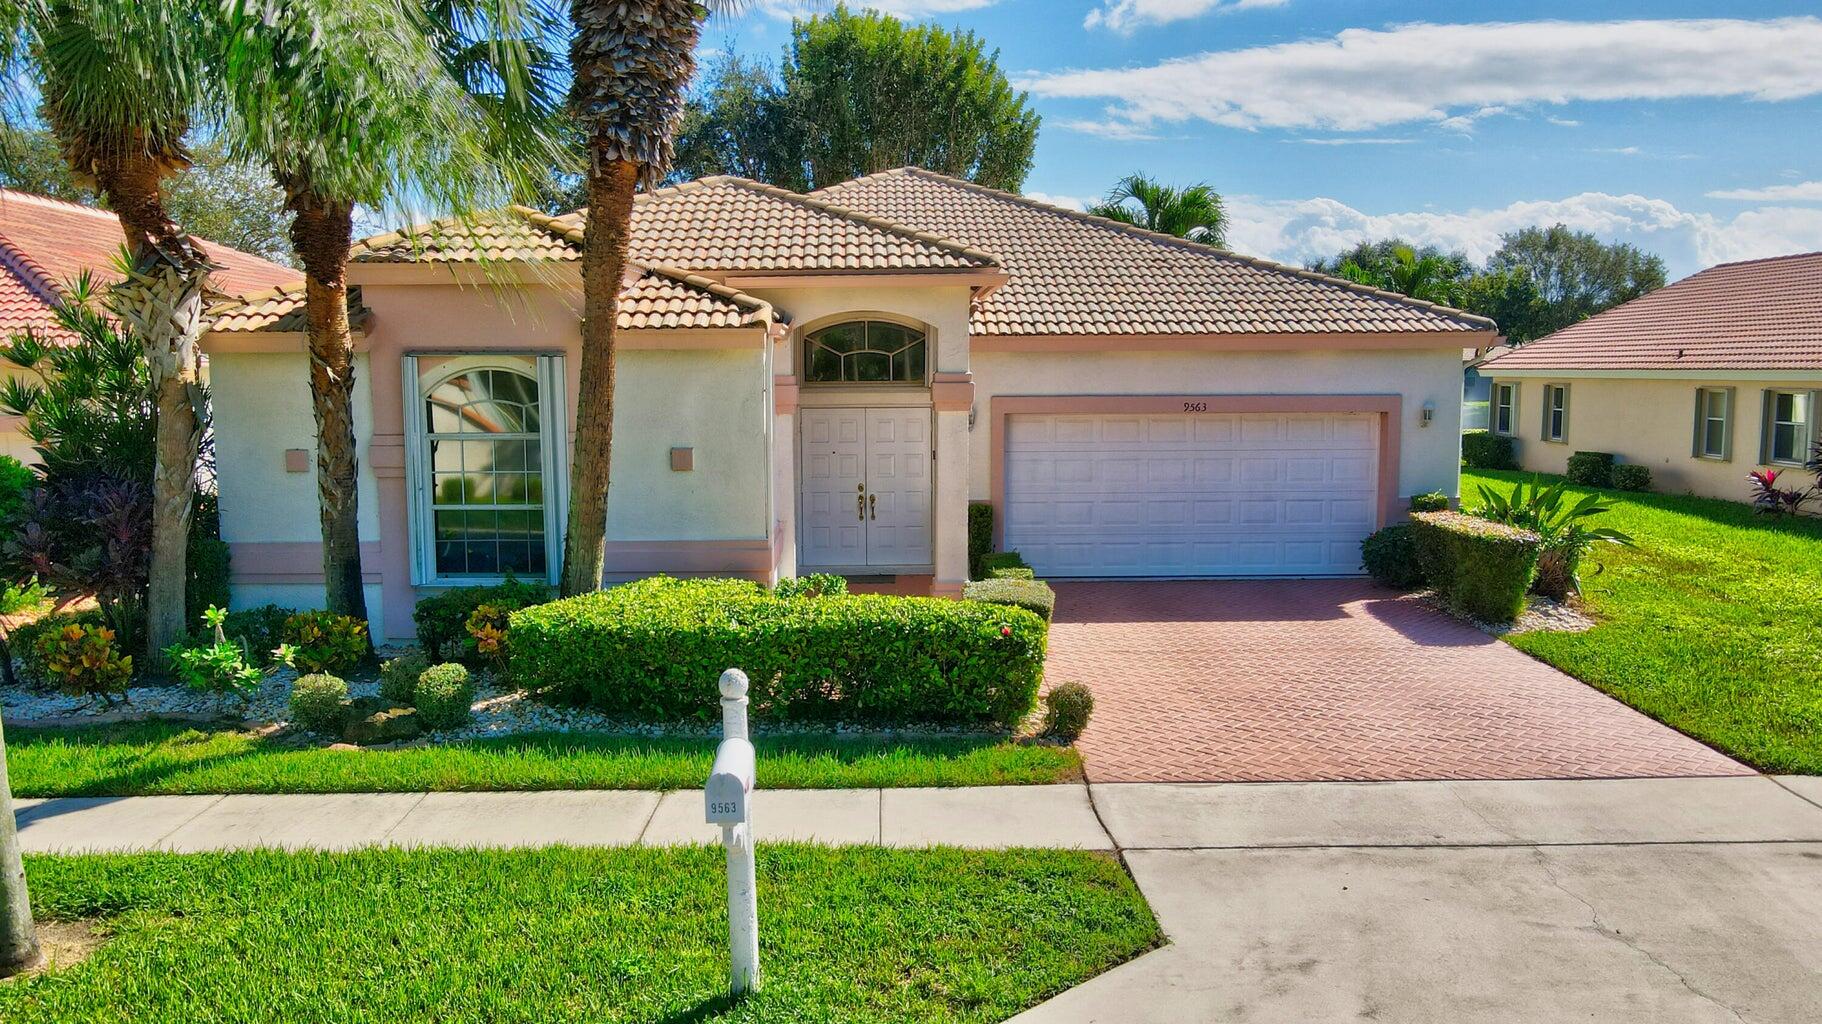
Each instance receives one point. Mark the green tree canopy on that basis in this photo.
(1191, 211)
(859, 93)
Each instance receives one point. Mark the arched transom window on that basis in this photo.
(864, 352)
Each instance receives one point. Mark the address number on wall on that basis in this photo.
(1195, 406)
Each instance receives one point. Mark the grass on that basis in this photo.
(163, 757)
(627, 935)
(1712, 624)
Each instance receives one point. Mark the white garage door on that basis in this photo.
(1207, 494)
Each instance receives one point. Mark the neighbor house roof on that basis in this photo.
(1757, 315)
(45, 243)
(1073, 273)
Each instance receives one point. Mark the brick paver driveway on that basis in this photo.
(1331, 679)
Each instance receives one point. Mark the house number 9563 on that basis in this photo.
(724, 807)
(1195, 406)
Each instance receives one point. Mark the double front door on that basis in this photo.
(864, 477)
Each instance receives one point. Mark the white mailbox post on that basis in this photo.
(728, 799)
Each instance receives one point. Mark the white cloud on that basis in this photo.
(1806, 192)
(1564, 122)
(1618, 150)
(1297, 230)
(1066, 202)
(1363, 79)
(907, 9)
(1119, 131)
(1126, 15)
(1353, 141)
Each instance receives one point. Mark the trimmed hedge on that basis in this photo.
(1481, 449)
(442, 620)
(1012, 572)
(1032, 595)
(653, 650)
(1632, 477)
(1590, 469)
(980, 535)
(816, 584)
(444, 696)
(1429, 501)
(997, 560)
(1390, 556)
(1479, 568)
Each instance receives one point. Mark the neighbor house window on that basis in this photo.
(1790, 420)
(864, 352)
(1713, 423)
(1556, 412)
(1505, 407)
(485, 447)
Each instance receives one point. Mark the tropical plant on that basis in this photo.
(221, 666)
(84, 661)
(1430, 277)
(323, 641)
(1549, 512)
(1193, 211)
(486, 627)
(1769, 498)
(90, 540)
(629, 61)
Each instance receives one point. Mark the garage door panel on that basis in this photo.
(1193, 495)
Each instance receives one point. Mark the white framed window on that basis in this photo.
(865, 352)
(1714, 423)
(1556, 412)
(1505, 409)
(485, 463)
(1790, 427)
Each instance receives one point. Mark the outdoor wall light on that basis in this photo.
(1428, 415)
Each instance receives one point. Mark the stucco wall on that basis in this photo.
(1650, 422)
(1429, 458)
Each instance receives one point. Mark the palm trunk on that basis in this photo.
(18, 937)
(611, 184)
(322, 232)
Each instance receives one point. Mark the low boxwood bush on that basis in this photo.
(444, 696)
(1032, 595)
(1430, 501)
(399, 678)
(980, 535)
(1479, 568)
(653, 650)
(316, 702)
(1481, 449)
(1012, 572)
(1390, 556)
(442, 620)
(1066, 710)
(816, 584)
(1590, 469)
(1632, 477)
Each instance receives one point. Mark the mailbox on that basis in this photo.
(730, 783)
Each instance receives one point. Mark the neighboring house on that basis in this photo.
(47, 243)
(824, 382)
(1702, 381)
(1477, 389)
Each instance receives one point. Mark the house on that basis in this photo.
(47, 243)
(824, 382)
(1702, 381)
(1477, 390)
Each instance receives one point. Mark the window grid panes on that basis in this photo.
(1558, 415)
(486, 458)
(1790, 417)
(1714, 424)
(864, 352)
(1505, 396)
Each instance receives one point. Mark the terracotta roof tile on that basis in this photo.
(1758, 315)
(664, 298)
(1072, 273)
(514, 234)
(278, 310)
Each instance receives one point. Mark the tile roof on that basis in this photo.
(278, 309)
(517, 233)
(1073, 273)
(662, 298)
(47, 242)
(1757, 315)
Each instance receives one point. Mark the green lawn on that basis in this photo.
(1713, 624)
(162, 757)
(854, 934)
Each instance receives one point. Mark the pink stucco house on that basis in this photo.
(824, 382)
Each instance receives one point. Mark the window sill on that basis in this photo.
(1712, 458)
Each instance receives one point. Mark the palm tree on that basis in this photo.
(368, 102)
(18, 936)
(630, 60)
(1429, 276)
(1193, 212)
(120, 85)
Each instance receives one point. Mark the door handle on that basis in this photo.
(872, 506)
(860, 504)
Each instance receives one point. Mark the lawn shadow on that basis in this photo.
(1424, 624)
(134, 775)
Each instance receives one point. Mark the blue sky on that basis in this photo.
(1690, 129)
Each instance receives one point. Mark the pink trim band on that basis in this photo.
(298, 562)
(952, 392)
(785, 395)
(1228, 342)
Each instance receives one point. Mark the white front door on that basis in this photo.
(866, 485)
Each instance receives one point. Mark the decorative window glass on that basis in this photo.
(1790, 423)
(1556, 412)
(1505, 407)
(1712, 416)
(864, 352)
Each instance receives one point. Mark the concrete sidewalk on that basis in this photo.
(1662, 900)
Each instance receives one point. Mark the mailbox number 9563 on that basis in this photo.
(723, 807)
(1195, 406)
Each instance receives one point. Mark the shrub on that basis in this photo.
(1031, 595)
(23, 597)
(1479, 568)
(399, 678)
(260, 629)
(993, 560)
(1432, 501)
(84, 661)
(1390, 556)
(444, 696)
(207, 586)
(980, 535)
(653, 650)
(486, 629)
(1632, 477)
(1066, 710)
(219, 666)
(1771, 499)
(326, 641)
(816, 584)
(23, 642)
(1590, 469)
(1012, 572)
(317, 702)
(1481, 449)
(442, 620)
(1562, 525)
(16, 481)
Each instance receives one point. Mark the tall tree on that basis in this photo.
(1426, 274)
(1192, 211)
(121, 84)
(1576, 274)
(858, 93)
(368, 102)
(630, 62)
